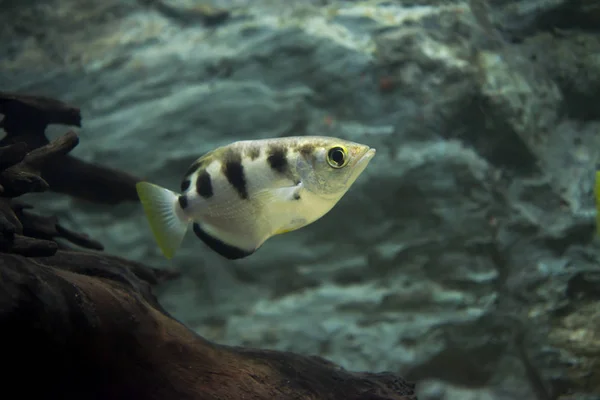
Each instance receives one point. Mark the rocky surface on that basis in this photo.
(463, 258)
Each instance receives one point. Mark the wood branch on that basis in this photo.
(20, 172)
(22, 112)
(12, 154)
(82, 324)
(91, 182)
(48, 228)
(23, 177)
(16, 182)
(31, 247)
(11, 222)
(99, 333)
(25, 121)
(53, 151)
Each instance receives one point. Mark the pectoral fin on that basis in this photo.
(273, 196)
(218, 243)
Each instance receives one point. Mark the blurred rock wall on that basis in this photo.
(463, 258)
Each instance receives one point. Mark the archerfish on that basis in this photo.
(238, 196)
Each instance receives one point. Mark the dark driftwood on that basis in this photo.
(25, 121)
(81, 324)
(97, 332)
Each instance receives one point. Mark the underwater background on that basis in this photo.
(464, 258)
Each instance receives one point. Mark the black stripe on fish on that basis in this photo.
(234, 172)
(277, 159)
(183, 201)
(253, 152)
(185, 185)
(226, 250)
(307, 149)
(204, 184)
(194, 167)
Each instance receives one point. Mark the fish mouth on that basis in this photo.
(367, 156)
(363, 161)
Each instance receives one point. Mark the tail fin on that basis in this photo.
(159, 205)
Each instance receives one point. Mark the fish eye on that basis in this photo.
(337, 157)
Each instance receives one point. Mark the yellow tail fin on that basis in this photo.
(159, 205)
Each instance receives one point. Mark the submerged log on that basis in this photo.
(81, 327)
(82, 324)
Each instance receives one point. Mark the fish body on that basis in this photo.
(238, 196)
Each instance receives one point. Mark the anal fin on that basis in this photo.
(226, 250)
